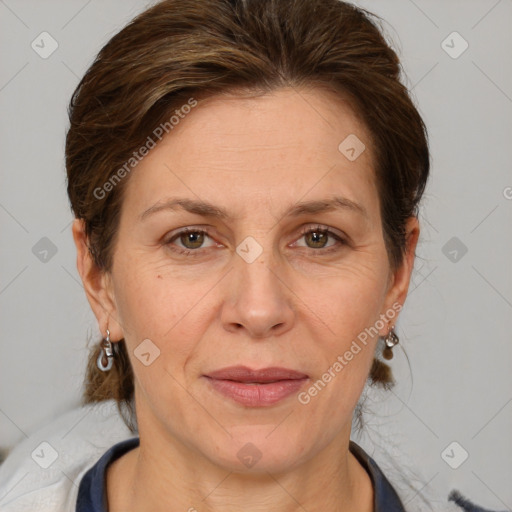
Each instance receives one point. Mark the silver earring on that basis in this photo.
(106, 356)
(391, 339)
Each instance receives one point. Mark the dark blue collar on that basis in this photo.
(385, 498)
(92, 496)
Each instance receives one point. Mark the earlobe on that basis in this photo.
(96, 283)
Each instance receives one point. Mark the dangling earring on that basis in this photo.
(106, 356)
(391, 339)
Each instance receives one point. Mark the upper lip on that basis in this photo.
(245, 374)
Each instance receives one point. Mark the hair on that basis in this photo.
(182, 49)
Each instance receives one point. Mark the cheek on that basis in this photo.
(348, 300)
(348, 306)
(153, 304)
(154, 307)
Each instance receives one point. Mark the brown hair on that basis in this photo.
(180, 49)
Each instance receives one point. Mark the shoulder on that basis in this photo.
(44, 471)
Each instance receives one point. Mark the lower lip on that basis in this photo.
(257, 395)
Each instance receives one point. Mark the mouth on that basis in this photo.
(263, 376)
(256, 388)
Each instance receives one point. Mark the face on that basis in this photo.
(265, 276)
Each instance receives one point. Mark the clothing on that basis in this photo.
(85, 440)
(78, 438)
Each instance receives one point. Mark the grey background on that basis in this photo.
(457, 321)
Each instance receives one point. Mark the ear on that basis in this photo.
(97, 285)
(400, 279)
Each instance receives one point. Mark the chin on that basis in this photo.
(260, 449)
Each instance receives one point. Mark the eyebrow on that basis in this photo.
(206, 209)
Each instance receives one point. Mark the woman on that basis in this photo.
(245, 178)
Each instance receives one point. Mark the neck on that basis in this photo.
(165, 476)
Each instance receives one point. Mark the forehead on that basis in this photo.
(281, 146)
(311, 122)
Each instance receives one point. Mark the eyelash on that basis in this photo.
(304, 232)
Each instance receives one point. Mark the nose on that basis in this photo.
(259, 300)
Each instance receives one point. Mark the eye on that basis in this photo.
(318, 237)
(190, 239)
(187, 241)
